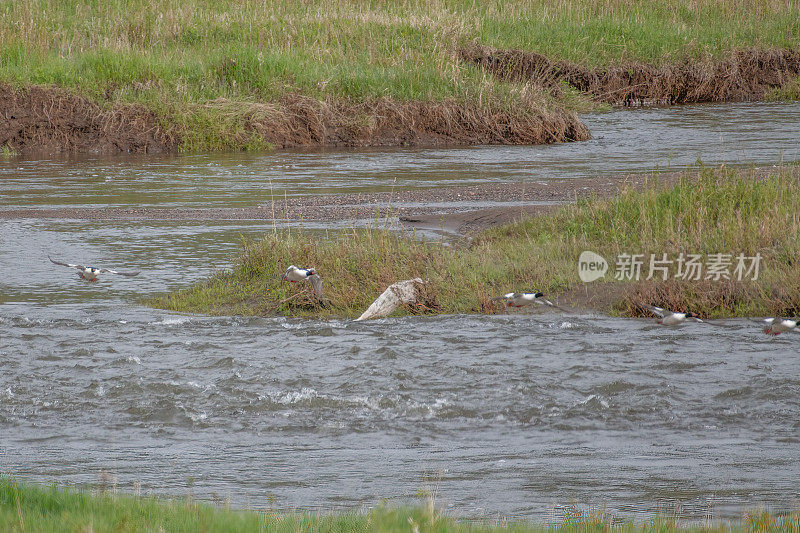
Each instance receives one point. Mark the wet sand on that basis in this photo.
(458, 210)
(455, 209)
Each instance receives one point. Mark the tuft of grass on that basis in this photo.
(711, 211)
(28, 507)
(6, 151)
(355, 266)
(790, 91)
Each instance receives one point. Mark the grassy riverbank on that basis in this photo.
(710, 211)
(212, 72)
(27, 507)
(194, 52)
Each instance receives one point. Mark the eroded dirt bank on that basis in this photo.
(746, 74)
(52, 120)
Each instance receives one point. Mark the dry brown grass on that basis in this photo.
(300, 121)
(720, 298)
(745, 74)
(57, 120)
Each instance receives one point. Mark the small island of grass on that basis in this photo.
(710, 211)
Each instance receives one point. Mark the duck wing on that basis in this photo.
(316, 282)
(286, 273)
(545, 301)
(70, 265)
(110, 271)
(658, 311)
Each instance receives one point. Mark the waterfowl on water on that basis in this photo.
(671, 318)
(295, 274)
(777, 325)
(521, 299)
(90, 273)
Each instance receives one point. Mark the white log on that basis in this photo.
(397, 294)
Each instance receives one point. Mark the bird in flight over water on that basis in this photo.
(90, 273)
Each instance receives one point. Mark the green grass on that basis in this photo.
(6, 151)
(32, 508)
(181, 58)
(711, 211)
(790, 91)
(198, 51)
(601, 33)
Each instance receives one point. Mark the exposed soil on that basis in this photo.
(466, 222)
(746, 74)
(51, 120)
(40, 119)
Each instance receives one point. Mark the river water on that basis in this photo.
(517, 416)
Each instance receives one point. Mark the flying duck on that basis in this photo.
(295, 274)
(670, 318)
(776, 326)
(90, 273)
(521, 299)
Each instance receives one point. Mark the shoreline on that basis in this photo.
(472, 207)
(42, 119)
(53, 119)
(459, 210)
(51, 507)
(263, 76)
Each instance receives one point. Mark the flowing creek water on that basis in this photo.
(518, 415)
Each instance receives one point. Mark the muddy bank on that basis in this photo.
(52, 120)
(746, 74)
(468, 222)
(47, 120)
